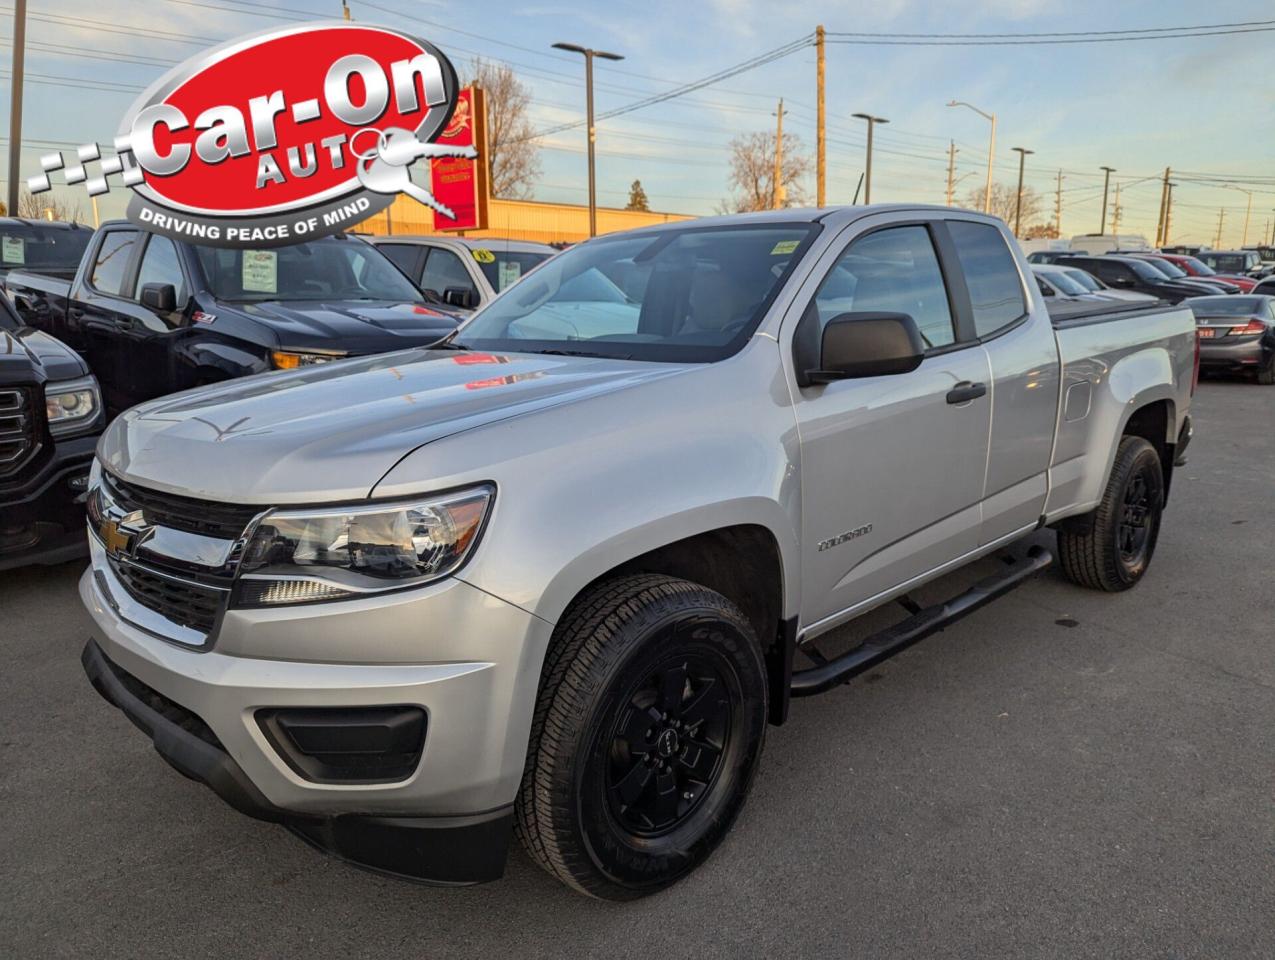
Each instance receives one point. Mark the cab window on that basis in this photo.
(160, 264)
(110, 266)
(444, 269)
(996, 292)
(890, 271)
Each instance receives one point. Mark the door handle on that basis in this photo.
(965, 391)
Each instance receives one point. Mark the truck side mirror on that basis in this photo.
(865, 345)
(464, 297)
(160, 297)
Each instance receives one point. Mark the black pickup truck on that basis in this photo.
(153, 316)
(50, 418)
(50, 247)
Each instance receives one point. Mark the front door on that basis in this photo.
(892, 466)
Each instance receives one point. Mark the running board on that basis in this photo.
(881, 646)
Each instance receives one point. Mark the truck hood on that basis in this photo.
(28, 356)
(359, 327)
(330, 432)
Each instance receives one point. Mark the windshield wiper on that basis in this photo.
(578, 353)
(449, 345)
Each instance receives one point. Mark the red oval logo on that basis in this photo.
(275, 122)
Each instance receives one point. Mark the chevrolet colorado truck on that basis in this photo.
(554, 576)
(153, 316)
(50, 419)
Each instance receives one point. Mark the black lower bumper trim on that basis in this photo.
(443, 850)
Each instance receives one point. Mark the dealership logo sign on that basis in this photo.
(279, 137)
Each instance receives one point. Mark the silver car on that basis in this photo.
(461, 272)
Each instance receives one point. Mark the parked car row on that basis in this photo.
(95, 322)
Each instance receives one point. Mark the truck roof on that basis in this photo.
(42, 223)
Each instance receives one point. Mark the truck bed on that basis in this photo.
(1069, 313)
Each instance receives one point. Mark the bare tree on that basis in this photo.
(752, 172)
(47, 206)
(513, 157)
(1004, 200)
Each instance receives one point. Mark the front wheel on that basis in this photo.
(647, 730)
(1266, 373)
(1111, 548)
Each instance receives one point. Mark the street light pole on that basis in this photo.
(991, 149)
(1018, 204)
(867, 173)
(1106, 185)
(15, 101)
(588, 55)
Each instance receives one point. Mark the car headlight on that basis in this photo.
(71, 404)
(334, 553)
(294, 359)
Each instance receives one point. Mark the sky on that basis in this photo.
(1202, 106)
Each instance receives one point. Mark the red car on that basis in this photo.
(1198, 268)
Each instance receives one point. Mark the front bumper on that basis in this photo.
(469, 660)
(42, 517)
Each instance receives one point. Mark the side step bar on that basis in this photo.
(881, 646)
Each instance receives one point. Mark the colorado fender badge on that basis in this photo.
(286, 135)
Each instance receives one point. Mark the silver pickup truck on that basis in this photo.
(556, 575)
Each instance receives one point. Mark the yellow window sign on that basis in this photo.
(484, 256)
(784, 246)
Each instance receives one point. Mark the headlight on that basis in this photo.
(71, 404)
(292, 359)
(300, 556)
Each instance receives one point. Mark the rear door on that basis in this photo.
(892, 466)
(1024, 385)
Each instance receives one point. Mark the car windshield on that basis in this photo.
(1168, 268)
(1201, 268)
(1086, 280)
(1147, 271)
(1065, 283)
(336, 268)
(504, 268)
(40, 249)
(1231, 306)
(682, 295)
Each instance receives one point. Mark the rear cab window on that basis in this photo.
(991, 274)
(52, 250)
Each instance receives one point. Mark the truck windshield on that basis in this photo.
(52, 250)
(504, 268)
(333, 269)
(683, 295)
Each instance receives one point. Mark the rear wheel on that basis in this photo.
(1266, 373)
(649, 723)
(1111, 548)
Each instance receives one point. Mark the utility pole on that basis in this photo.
(821, 148)
(1164, 200)
(345, 11)
(1018, 204)
(15, 101)
(951, 170)
(867, 170)
(1115, 213)
(588, 55)
(1248, 210)
(1221, 215)
(1058, 205)
(1168, 214)
(777, 182)
(1106, 185)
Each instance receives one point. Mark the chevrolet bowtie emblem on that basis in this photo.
(118, 535)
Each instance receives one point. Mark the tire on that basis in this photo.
(613, 732)
(1111, 548)
(1266, 373)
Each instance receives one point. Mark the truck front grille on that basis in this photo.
(225, 521)
(184, 603)
(17, 429)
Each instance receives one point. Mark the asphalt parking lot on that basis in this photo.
(1064, 774)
